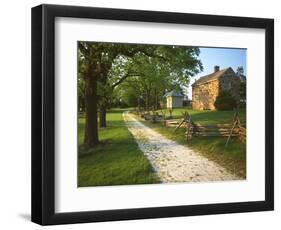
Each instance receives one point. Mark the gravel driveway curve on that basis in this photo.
(171, 161)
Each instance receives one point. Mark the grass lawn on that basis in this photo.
(117, 160)
(207, 117)
(233, 157)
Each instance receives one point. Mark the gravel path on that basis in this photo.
(174, 162)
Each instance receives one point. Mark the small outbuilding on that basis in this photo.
(206, 89)
(174, 99)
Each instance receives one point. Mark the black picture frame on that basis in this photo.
(43, 114)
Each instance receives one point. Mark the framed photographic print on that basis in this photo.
(141, 114)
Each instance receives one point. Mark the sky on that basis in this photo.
(223, 57)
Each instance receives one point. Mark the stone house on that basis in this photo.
(174, 99)
(206, 89)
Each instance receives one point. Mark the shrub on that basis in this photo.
(242, 104)
(225, 101)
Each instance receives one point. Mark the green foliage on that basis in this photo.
(225, 101)
(240, 71)
(117, 160)
(153, 76)
(243, 90)
(130, 98)
(240, 74)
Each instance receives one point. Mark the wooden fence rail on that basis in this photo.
(242, 134)
(172, 122)
(212, 130)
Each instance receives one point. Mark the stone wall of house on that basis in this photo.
(204, 95)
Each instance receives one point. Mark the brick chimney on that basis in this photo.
(216, 68)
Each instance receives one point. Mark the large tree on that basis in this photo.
(98, 59)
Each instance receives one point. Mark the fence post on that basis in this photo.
(189, 129)
(236, 120)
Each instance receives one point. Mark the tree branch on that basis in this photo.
(124, 78)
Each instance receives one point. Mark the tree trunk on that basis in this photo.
(102, 116)
(91, 101)
(103, 100)
(155, 99)
(139, 103)
(147, 102)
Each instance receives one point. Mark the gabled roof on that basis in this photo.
(173, 93)
(212, 76)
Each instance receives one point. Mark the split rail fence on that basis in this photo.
(234, 129)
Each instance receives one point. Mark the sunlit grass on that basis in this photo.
(117, 160)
